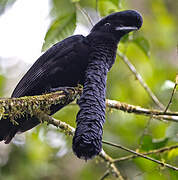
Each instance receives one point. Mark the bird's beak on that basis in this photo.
(123, 28)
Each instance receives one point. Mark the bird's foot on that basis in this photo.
(64, 89)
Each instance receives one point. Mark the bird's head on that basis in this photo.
(119, 23)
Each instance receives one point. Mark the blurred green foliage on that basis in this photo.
(153, 52)
(2, 81)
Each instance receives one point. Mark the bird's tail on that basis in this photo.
(8, 129)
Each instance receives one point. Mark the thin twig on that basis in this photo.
(140, 79)
(106, 174)
(161, 115)
(141, 155)
(166, 117)
(57, 123)
(84, 13)
(112, 166)
(173, 92)
(97, 10)
(156, 151)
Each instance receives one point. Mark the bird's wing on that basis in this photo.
(32, 80)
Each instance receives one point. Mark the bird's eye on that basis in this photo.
(107, 24)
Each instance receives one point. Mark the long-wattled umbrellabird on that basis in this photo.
(77, 60)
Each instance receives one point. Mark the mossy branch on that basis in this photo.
(14, 108)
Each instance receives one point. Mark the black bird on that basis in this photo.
(77, 60)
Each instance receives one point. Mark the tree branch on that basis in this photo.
(141, 155)
(111, 164)
(57, 123)
(161, 115)
(17, 107)
(84, 13)
(106, 174)
(173, 92)
(156, 151)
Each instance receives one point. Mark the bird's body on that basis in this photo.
(61, 65)
(77, 60)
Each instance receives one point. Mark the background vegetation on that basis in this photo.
(45, 153)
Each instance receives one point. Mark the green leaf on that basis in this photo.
(172, 154)
(115, 2)
(107, 7)
(159, 143)
(64, 22)
(172, 132)
(2, 81)
(62, 7)
(75, 1)
(149, 144)
(61, 28)
(88, 3)
(143, 44)
(125, 38)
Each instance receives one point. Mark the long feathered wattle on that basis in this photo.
(87, 141)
